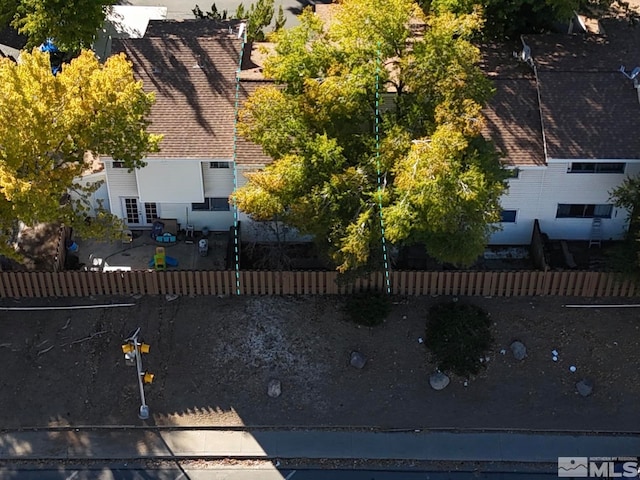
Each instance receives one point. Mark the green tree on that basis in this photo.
(212, 14)
(510, 18)
(441, 180)
(626, 257)
(280, 21)
(72, 24)
(48, 124)
(258, 17)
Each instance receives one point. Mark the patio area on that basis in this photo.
(139, 253)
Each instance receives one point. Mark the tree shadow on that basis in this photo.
(193, 76)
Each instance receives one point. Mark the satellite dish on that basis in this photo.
(634, 73)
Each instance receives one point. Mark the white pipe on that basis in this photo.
(603, 306)
(71, 307)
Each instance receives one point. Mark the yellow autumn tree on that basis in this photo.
(49, 123)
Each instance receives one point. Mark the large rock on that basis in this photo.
(274, 389)
(585, 387)
(358, 360)
(438, 380)
(519, 350)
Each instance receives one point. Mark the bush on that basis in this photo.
(368, 308)
(458, 336)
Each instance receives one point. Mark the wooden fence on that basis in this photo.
(526, 283)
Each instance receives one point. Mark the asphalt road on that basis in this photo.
(182, 9)
(126, 473)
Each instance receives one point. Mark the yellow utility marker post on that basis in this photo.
(133, 351)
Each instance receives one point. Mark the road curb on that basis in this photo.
(77, 444)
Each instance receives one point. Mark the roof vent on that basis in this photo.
(199, 62)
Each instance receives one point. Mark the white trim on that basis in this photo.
(526, 167)
(593, 160)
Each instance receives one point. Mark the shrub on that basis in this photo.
(458, 336)
(368, 308)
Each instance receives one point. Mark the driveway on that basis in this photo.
(182, 9)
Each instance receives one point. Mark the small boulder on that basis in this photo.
(519, 350)
(438, 380)
(584, 387)
(274, 389)
(170, 297)
(358, 360)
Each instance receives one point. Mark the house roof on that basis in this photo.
(11, 42)
(512, 116)
(194, 81)
(249, 153)
(589, 109)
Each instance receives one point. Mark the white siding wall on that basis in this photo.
(120, 183)
(100, 195)
(218, 182)
(522, 196)
(537, 193)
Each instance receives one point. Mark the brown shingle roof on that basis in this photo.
(589, 108)
(249, 153)
(512, 115)
(194, 82)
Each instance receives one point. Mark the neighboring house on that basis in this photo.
(125, 21)
(191, 67)
(563, 115)
(11, 42)
(566, 119)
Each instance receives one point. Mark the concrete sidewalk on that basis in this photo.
(79, 444)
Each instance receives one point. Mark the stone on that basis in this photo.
(137, 296)
(274, 389)
(358, 360)
(584, 387)
(170, 297)
(519, 350)
(438, 380)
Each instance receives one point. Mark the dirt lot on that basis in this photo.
(213, 358)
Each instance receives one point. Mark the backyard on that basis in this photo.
(213, 358)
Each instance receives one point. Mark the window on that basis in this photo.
(513, 172)
(150, 212)
(579, 210)
(508, 216)
(131, 210)
(596, 167)
(116, 164)
(218, 164)
(213, 204)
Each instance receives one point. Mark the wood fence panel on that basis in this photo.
(30, 284)
(22, 284)
(206, 278)
(13, 282)
(218, 286)
(615, 288)
(475, 282)
(464, 283)
(268, 285)
(601, 285)
(183, 282)
(42, 286)
(5, 288)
